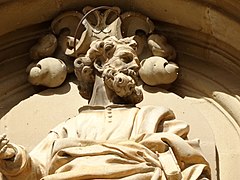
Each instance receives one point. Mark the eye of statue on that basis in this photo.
(108, 47)
(126, 57)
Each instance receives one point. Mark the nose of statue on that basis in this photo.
(134, 66)
(119, 80)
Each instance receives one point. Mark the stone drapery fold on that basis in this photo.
(146, 143)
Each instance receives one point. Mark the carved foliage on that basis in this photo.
(73, 32)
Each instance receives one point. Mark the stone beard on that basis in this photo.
(117, 63)
(123, 83)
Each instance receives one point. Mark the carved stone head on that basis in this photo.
(116, 62)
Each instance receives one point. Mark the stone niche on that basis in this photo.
(205, 95)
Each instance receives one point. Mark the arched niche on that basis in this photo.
(204, 33)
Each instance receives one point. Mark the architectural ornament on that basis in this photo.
(110, 138)
(64, 43)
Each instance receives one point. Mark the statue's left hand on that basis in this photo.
(6, 150)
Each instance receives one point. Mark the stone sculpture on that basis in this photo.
(157, 70)
(110, 138)
(49, 72)
(97, 25)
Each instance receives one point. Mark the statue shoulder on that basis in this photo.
(64, 129)
(157, 111)
(150, 117)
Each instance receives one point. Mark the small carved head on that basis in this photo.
(116, 62)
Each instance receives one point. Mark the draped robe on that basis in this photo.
(114, 142)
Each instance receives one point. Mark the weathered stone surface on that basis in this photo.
(149, 142)
(207, 49)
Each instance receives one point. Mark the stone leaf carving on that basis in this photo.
(98, 25)
(53, 53)
(50, 72)
(66, 23)
(73, 33)
(157, 70)
(159, 47)
(64, 26)
(139, 26)
(45, 47)
(133, 22)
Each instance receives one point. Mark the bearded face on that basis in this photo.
(117, 62)
(120, 74)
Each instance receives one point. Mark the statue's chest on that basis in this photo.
(106, 124)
